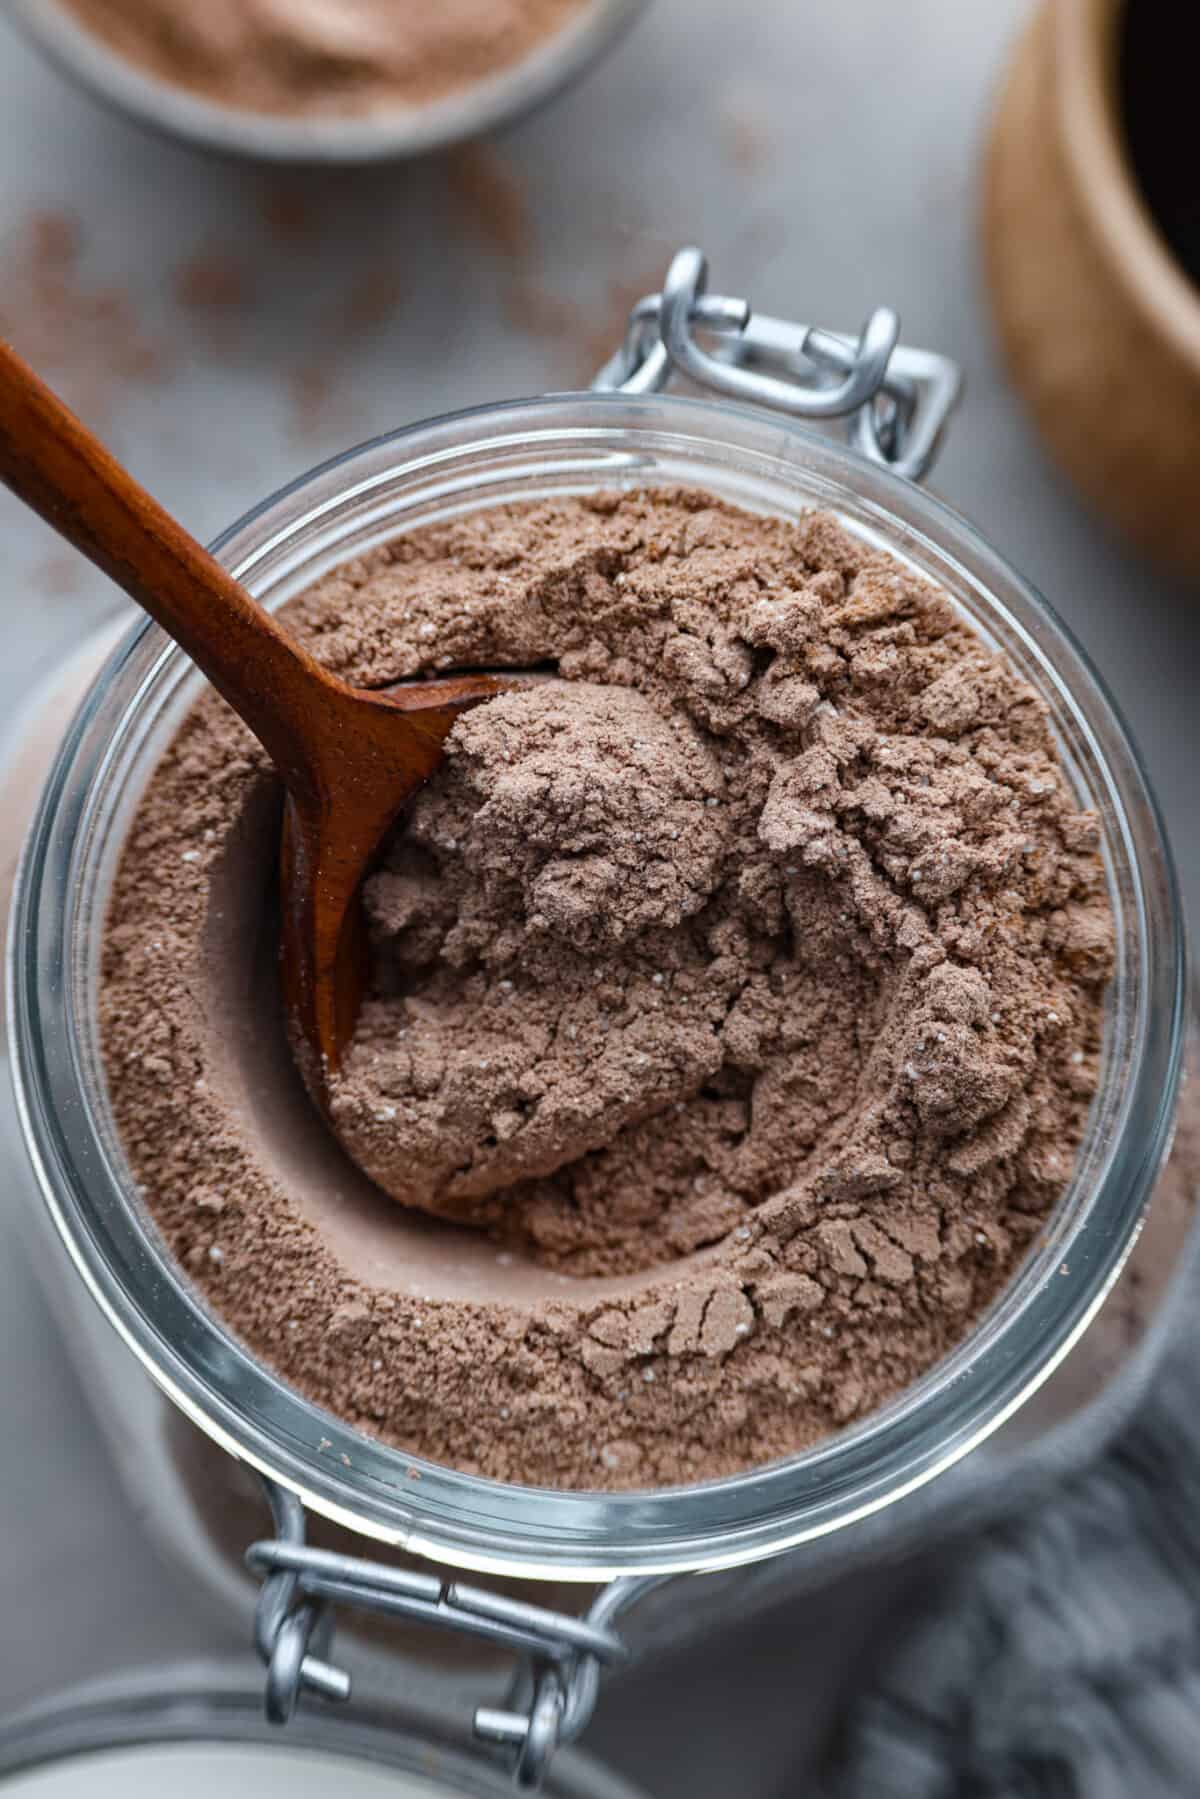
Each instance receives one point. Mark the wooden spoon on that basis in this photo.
(350, 759)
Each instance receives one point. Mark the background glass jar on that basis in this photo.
(457, 465)
(198, 1729)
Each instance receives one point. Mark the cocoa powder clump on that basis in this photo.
(523, 923)
(742, 986)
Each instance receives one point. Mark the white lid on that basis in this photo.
(232, 1770)
(195, 1733)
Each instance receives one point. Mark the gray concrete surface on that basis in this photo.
(227, 328)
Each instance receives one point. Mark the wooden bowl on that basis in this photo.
(1100, 323)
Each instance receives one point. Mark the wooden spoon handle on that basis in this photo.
(54, 463)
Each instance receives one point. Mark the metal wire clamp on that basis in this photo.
(897, 399)
(560, 1657)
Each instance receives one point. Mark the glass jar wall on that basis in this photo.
(1040, 1325)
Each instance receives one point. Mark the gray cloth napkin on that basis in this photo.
(1058, 1654)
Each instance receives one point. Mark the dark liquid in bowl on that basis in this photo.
(1160, 106)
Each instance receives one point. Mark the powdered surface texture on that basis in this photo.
(741, 987)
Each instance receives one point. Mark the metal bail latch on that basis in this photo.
(560, 1657)
(897, 399)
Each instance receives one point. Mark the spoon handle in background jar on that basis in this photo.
(52, 462)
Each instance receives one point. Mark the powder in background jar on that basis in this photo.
(866, 979)
(324, 57)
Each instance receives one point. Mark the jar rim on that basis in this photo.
(473, 459)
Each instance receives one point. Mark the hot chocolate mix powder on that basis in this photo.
(324, 57)
(744, 982)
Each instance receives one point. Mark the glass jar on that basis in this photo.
(855, 1494)
(196, 1730)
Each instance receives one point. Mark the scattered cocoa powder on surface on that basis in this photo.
(762, 955)
(216, 292)
(315, 402)
(602, 331)
(587, 336)
(547, 317)
(84, 336)
(320, 387)
(212, 282)
(582, 337)
(490, 206)
(370, 302)
(288, 213)
(324, 58)
(489, 201)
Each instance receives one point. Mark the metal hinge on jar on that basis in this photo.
(897, 399)
(560, 1658)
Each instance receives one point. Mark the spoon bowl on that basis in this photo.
(374, 750)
